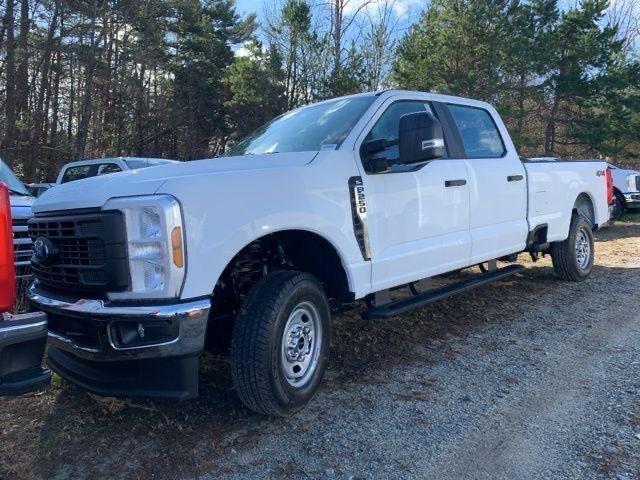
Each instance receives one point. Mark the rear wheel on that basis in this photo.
(280, 343)
(573, 258)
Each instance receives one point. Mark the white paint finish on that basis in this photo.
(498, 222)
(554, 188)
(95, 191)
(417, 226)
(225, 210)
(624, 179)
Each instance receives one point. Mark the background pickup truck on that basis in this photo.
(103, 166)
(21, 202)
(249, 254)
(626, 188)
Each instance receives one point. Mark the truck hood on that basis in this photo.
(21, 201)
(94, 192)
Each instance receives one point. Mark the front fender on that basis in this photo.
(224, 212)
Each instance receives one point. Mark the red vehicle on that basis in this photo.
(22, 337)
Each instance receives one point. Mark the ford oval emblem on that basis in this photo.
(44, 251)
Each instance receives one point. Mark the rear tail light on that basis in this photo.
(7, 268)
(609, 183)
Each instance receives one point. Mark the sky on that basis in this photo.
(402, 7)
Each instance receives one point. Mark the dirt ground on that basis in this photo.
(529, 377)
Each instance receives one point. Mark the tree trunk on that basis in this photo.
(10, 87)
(85, 107)
(22, 77)
(550, 130)
(39, 117)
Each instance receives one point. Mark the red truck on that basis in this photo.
(22, 337)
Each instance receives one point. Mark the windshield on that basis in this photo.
(10, 179)
(322, 126)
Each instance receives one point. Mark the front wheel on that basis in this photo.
(280, 343)
(573, 258)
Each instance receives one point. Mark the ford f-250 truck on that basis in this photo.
(326, 205)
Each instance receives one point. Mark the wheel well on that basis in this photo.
(299, 250)
(584, 206)
(616, 191)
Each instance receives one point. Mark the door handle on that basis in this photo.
(514, 178)
(455, 183)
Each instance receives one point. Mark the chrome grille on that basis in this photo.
(22, 247)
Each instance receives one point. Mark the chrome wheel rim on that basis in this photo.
(583, 249)
(301, 344)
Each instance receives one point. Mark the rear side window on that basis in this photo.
(480, 135)
(77, 173)
(105, 168)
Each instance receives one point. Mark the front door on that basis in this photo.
(417, 216)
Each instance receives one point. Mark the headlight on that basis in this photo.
(155, 244)
(631, 183)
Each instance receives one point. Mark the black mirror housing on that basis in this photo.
(420, 138)
(375, 146)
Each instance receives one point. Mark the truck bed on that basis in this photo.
(554, 187)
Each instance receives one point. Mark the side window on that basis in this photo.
(387, 128)
(106, 168)
(76, 173)
(480, 135)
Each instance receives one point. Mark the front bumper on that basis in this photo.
(139, 350)
(632, 200)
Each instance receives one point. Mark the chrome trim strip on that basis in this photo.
(192, 318)
(34, 326)
(98, 307)
(138, 347)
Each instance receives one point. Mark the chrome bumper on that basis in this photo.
(188, 321)
(632, 200)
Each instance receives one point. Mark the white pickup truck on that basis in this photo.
(326, 205)
(626, 190)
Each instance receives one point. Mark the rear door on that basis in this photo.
(497, 184)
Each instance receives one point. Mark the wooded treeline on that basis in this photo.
(184, 78)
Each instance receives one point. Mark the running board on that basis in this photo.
(416, 301)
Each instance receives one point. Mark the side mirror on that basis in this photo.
(420, 138)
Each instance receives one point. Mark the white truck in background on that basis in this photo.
(326, 206)
(82, 169)
(626, 188)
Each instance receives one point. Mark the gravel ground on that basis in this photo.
(526, 378)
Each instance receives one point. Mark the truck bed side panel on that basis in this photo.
(554, 188)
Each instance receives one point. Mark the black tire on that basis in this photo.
(258, 358)
(618, 206)
(567, 263)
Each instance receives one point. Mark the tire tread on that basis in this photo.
(250, 344)
(562, 254)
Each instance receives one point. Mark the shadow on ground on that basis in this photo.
(66, 432)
